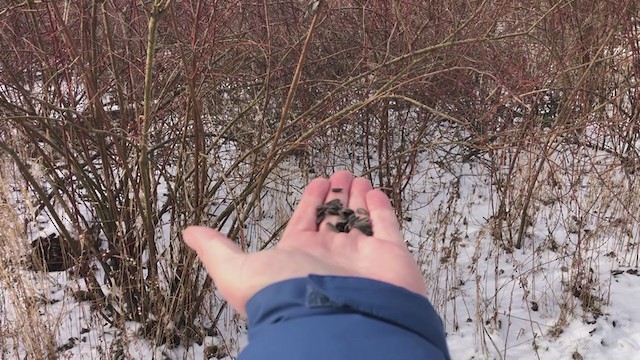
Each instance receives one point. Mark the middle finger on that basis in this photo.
(340, 186)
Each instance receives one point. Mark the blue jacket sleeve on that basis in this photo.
(332, 317)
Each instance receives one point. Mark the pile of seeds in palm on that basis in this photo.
(348, 219)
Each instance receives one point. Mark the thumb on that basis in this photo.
(221, 256)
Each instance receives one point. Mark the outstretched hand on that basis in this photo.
(307, 248)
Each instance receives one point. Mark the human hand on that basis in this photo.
(307, 248)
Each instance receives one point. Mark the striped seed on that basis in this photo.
(332, 227)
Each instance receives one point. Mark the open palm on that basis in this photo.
(307, 248)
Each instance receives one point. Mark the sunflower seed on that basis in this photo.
(334, 203)
(341, 226)
(346, 213)
(365, 228)
(332, 227)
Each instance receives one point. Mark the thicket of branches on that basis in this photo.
(130, 120)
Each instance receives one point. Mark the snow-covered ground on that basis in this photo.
(571, 291)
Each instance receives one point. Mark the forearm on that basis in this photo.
(327, 317)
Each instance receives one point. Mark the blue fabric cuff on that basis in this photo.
(318, 295)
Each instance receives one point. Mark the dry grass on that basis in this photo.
(22, 330)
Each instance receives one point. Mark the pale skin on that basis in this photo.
(307, 248)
